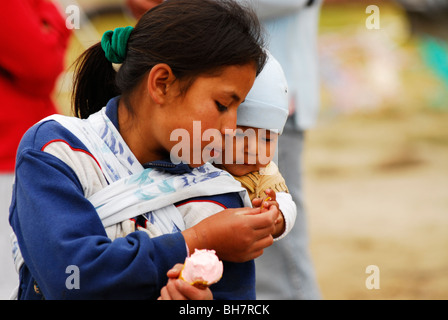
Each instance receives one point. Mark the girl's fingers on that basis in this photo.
(257, 202)
(264, 220)
(192, 293)
(173, 290)
(260, 245)
(246, 211)
(268, 204)
(175, 271)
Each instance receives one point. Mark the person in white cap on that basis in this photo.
(260, 119)
(292, 28)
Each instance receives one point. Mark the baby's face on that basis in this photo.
(251, 149)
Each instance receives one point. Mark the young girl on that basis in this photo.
(185, 61)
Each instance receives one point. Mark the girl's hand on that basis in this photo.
(237, 235)
(177, 289)
(266, 203)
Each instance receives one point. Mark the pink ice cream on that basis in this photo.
(202, 268)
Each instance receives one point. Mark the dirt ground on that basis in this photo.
(376, 192)
(376, 164)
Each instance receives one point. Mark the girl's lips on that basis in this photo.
(215, 153)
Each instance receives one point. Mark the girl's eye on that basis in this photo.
(221, 107)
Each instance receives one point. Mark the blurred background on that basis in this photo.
(376, 172)
(376, 165)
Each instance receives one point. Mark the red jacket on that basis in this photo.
(33, 40)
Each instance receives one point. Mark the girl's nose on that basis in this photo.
(228, 124)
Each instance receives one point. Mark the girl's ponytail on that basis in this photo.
(94, 82)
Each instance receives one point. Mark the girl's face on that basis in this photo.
(253, 149)
(211, 102)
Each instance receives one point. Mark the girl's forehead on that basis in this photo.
(235, 81)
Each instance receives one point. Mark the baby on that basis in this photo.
(260, 120)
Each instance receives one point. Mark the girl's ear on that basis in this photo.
(160, 79)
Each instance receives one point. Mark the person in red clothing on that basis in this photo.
(34, 40)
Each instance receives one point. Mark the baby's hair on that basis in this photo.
(193, 37)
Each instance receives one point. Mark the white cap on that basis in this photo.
(266, 105)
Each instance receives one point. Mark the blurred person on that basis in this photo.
(139, 7)
(285, 271)
(34, 40)
(427, 17)
(429, 25)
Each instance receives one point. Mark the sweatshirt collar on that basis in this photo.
(166, 164)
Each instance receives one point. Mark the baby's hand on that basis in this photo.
(265, 204)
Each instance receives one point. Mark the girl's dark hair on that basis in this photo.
(193, 37)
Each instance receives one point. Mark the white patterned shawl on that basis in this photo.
(134, 190)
